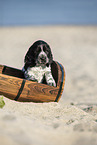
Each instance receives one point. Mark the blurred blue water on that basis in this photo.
(40, 12)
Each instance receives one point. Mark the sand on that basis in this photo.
(72, 121)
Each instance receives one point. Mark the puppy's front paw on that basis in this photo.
(33, 79)
(30, 77)
(52, 83)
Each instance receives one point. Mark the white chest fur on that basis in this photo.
(38, 72)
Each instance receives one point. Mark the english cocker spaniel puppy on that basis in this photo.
(37, 63)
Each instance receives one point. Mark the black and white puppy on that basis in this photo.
(38, 61)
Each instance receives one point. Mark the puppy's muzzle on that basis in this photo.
(42, 59)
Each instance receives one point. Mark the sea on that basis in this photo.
(48, 12)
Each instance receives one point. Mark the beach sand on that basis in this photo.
(71, 121)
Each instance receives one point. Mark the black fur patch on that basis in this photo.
(33, 52)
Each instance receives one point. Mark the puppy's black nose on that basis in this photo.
(43, 58)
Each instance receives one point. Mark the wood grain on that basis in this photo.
(32, 91)
(63, 81)
(1, 68)
(9, 87)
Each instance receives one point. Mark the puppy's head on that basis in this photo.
(39, 54)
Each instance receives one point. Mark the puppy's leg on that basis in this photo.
(49, 78)
(29, 76)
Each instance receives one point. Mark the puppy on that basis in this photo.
(37, 63)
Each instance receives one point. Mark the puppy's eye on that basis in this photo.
(38, 49)
(45, 49)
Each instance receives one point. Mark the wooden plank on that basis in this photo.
(1, 68)
(63, 81)
(11, 82)
(9, 87)
(40, 92)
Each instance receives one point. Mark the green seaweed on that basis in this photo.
(2, 103)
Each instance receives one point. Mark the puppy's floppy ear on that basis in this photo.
(30, 57)
(50, 55)
(27, 56)
(51, 58)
